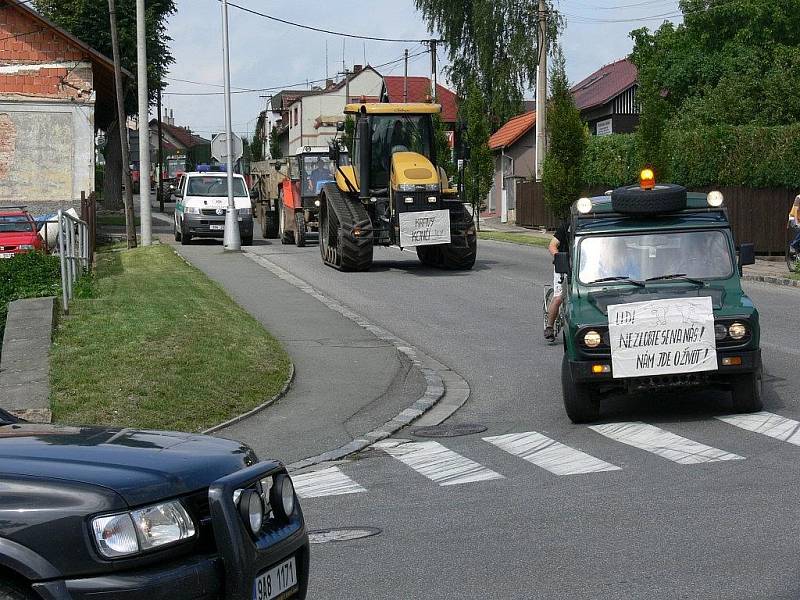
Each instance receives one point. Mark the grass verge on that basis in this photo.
(514, 238)
(108, 220)
(159, 345)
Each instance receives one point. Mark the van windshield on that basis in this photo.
(694, 254)
(215, 186)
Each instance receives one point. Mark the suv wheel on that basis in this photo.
(578, 402)
(746, 392)
(9, 591)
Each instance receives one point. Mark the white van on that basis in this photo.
(201, 200)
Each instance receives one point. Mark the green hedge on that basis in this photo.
(746, 156)
(30, 275)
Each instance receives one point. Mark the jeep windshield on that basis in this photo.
(677, 257)
(215, 186)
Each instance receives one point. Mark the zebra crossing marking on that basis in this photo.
(325, 482)
(769, 424)
(549, 454)
(663, 443)
(436, 462)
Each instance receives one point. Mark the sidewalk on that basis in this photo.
(347, 381)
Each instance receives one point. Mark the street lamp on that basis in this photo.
(231, 240)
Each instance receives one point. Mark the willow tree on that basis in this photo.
(492, 47)
(88, 20)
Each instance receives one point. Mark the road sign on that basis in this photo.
(219, 147)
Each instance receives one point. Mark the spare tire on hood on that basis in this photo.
(664, 198)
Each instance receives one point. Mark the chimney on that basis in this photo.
(328, 83)
(171, 118)
(357, 69)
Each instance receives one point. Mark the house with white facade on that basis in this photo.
(312, 118)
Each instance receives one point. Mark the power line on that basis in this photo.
(319, 29)
(280, 87)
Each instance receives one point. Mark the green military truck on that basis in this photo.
(653, 299)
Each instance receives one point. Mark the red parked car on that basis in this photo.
(18, 232)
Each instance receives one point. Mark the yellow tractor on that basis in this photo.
(393, 193)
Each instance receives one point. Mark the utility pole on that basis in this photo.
(144, 126)
(232, 237)
(346, 73)
(160, 154)
(405, 77)
(130, 220)
(433, 69)
(541, 91)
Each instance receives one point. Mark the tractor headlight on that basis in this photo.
(143, 529)
(592, 339)
(316, 203)
(737, 330)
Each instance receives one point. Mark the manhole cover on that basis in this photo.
(452, 430)
(324, 536)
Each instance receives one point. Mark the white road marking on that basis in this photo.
(663, 443)
(549, 454)
(438, 463)
(766, 423)
(325, 482)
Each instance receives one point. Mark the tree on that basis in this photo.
(349, 133)
(561, 171)
(444, 154)
(731, 62)
(274, 144)
(88, 20)
(493, 48)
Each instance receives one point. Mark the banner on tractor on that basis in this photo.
(662, 337)
(424, 228)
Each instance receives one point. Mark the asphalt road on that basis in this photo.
(714, 513)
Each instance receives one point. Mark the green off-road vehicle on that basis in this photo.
(654, 299)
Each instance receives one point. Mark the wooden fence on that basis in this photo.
(756, 215)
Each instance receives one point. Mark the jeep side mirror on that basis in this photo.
(561, 263)
(747, 255)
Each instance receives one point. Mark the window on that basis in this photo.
(215, 186)
(295, 116)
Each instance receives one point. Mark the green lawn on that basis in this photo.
(514, 238)
(159, 345)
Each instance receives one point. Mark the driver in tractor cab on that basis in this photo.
(320, 173)
(399, 141)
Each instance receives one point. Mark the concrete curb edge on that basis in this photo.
(286, 386)
(435, 373)
(774, 280)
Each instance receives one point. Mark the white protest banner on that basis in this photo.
(424, 228)
(661, 337)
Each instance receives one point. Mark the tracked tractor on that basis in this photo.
(393, 194)
(298, 194)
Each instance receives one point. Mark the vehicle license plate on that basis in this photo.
(217, 227)
(273, 582)
(6, 255)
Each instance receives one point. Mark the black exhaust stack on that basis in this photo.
(364, 155)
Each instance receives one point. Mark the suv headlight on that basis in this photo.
(143, 529)
(737, 330)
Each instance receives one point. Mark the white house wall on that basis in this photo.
(331, 104)
(46, 152)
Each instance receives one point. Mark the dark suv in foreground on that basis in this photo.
(127, 514)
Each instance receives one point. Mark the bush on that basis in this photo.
(746, 156)
(30, 275)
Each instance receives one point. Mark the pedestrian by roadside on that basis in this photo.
(559, 243)
(794, 223)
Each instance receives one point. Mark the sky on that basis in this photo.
(268, 54)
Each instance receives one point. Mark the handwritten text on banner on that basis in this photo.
(423, 228)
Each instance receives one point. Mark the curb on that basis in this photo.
(773, 279)
(257, 409)
(445, 389)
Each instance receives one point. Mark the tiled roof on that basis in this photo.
(418, 90)
(605, 84)
(185, 137)
(512, 131)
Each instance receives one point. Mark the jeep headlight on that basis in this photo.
(592, 339)
(737, 330)
(143, 529)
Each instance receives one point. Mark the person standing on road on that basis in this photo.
(559, 243)
(794, 223)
